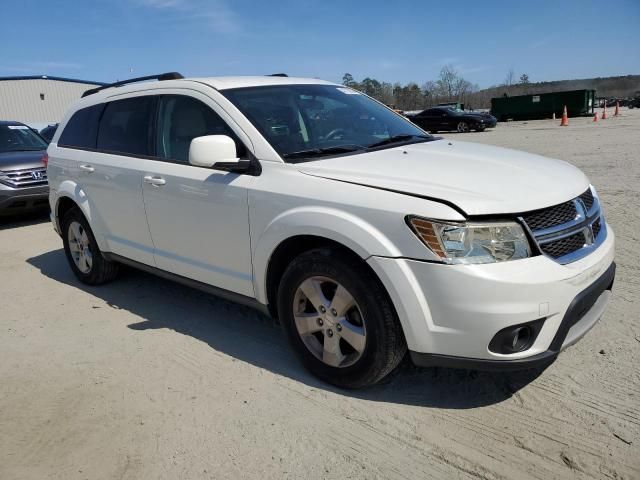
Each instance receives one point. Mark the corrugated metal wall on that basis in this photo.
(21, 100)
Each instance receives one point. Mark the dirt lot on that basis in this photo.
(147, 379)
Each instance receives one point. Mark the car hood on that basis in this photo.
(478, 179)
(21, 160)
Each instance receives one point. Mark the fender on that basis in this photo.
(349, 230)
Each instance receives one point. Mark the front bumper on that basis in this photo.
(487, 123)
(450, 313)
(19, 200)
(582, 314)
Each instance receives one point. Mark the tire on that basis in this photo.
(367, 337)
(480, 128)
(83, 254)
(463, 127)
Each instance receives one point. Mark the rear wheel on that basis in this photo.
(82, 251)
(463, 127)
(339, 319)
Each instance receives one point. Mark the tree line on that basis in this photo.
(451, 87)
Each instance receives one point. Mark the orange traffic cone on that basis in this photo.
(565, 118)
(595, 117)
(604, 112)
(617, 112)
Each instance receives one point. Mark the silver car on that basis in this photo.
(23, 173)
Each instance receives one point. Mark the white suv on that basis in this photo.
(363, 234)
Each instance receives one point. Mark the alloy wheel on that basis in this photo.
(329, 321)
(79, 247)
(463, 127)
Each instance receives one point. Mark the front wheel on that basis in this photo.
(339, 319)
(480, 128)
(82, 251)
(463, 127)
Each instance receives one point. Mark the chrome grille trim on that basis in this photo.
(28, 177)
(555, 241)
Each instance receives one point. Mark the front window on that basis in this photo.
(180, 120)
(306, 121)
(20, 138)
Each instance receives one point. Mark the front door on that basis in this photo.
(198, 217)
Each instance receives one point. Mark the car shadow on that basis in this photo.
(249, 336)
(24, 220)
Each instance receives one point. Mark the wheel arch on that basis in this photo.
(70, 195)
(287, 251)
(296, 229)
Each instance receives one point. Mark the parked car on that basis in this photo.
(318, 205)
(23, 176)
(440, 119)
(48, 132)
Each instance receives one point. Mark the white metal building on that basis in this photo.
(39, 100)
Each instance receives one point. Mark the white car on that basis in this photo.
(364, 235)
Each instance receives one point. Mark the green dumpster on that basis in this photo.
(543, 105)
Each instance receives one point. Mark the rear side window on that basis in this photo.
(125, 126)
(82, 128)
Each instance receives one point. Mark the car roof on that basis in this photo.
(4, 123)
(218, 83)
(224, 83)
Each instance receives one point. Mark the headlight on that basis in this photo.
(472, 242)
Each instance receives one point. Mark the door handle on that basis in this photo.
(87, 168)
(155, 181)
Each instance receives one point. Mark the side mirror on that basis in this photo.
(216, 151)
(211, 149)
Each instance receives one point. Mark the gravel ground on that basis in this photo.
(143, 378)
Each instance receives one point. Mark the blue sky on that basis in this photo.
(392, 41)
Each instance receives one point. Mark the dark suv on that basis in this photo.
(23, 173)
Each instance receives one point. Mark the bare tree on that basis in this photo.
(447, 83)
(430, 92)
(509, 79)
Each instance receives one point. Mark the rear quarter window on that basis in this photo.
(81, 130)
(125, 126)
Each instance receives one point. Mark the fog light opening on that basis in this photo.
(516, 338)
(520, 338)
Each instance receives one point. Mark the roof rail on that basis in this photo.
(161, 76)
(278, 75)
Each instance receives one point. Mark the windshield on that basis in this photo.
(304, 121)
(19, 138)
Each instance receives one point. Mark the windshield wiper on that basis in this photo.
(317, 152)
(398, 138)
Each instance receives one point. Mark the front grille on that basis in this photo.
(596, 227)
(587, 199)
(550, 217)
(569, 231)
(564, 246)
(30, 177)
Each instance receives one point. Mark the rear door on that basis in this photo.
(111, 177)
(198, 217)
